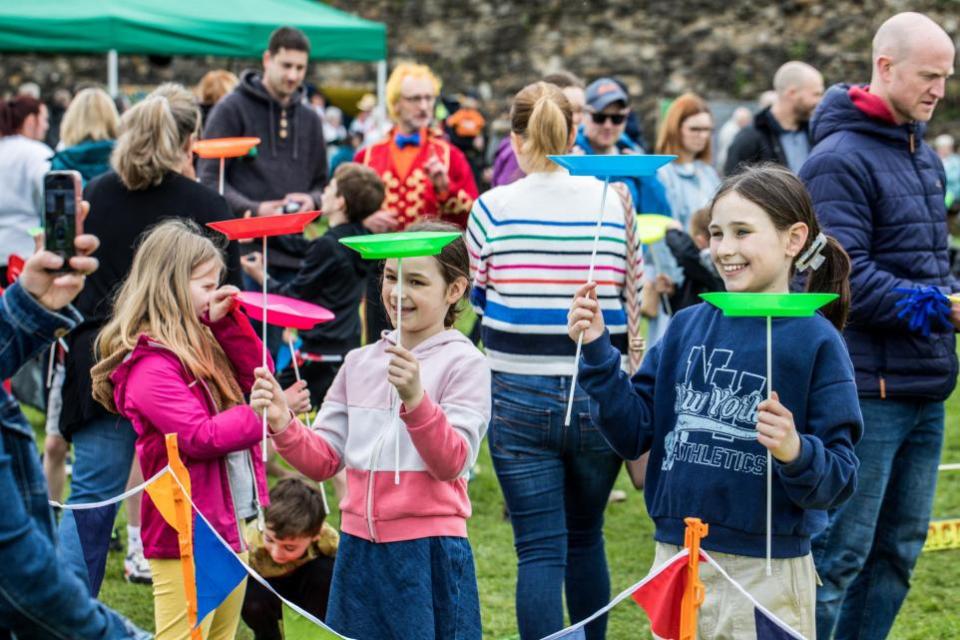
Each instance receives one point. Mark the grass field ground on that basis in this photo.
(930, 612)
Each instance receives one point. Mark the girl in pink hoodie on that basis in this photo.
(405, 418)
(177, 357)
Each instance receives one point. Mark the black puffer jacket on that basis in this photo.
(758, 142)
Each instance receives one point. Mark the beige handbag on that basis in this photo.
(636, 345)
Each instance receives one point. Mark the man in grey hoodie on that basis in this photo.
(289, 169)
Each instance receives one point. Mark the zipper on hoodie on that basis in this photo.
(223, 469)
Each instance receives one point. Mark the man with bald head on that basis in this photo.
(879, 189)
(779, 133)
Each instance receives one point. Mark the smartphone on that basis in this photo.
(62, 193)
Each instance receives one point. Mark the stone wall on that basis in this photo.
(660, 48)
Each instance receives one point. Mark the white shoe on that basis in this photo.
(136, 568)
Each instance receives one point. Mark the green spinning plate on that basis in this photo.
(405, 244)
(773, 305)
(651, 227)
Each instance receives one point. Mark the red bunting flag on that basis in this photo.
(661, 596)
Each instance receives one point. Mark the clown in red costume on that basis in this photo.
(424, 175)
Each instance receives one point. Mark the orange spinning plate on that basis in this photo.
(224, 147)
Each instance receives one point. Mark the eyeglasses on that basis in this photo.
(421, 98)
(615, 118)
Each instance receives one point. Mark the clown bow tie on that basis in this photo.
(412, 140)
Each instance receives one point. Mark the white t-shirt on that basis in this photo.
(23, 163)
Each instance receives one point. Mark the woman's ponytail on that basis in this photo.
(153, 137)
(541, 115)
(833, 276)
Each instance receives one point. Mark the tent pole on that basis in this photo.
(382, 90)
(112, 73)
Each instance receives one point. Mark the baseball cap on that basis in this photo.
(604, 91)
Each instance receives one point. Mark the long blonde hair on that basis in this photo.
(541, 115)
(92, 115)
(154, 135)
(155, 300)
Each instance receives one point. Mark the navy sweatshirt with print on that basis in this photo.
(693, 406)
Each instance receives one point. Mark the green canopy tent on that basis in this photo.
(234, 28)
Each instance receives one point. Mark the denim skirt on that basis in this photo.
(423, 589)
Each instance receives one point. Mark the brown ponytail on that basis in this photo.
(780, 193)
(833, 276)
(14, 112)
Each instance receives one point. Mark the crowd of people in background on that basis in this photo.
(430, 155)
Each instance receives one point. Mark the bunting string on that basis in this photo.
(623, 595)
(123, 496)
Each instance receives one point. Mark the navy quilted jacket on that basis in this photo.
(879, 189)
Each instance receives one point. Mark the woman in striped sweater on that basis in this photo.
(530, 244)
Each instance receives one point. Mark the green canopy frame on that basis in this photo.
(238, 28)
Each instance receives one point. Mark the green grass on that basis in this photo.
(929, 612)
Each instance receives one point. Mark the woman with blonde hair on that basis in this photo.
(690, 180)
(177, 356)
(88, 133)
(530, 245)
(146, 186)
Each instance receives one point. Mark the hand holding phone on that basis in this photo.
(62, 213)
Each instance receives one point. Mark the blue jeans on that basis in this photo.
(102, 455)
(556, 481)
(423, 589)
(867, 552)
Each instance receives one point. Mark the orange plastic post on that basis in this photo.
(184, 533)
(694, 592)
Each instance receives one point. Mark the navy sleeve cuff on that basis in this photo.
(33, 318)
(598, 351)
(803, 461)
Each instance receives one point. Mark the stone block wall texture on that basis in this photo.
(724, 50)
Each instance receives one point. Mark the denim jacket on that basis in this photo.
(38, 598)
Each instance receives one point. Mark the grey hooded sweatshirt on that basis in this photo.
(289, 159)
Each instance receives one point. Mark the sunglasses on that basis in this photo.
(615, 118)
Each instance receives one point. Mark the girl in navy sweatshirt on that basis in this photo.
(698, 406)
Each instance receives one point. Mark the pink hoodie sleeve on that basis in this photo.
(241, 344)
(443, 450)
(447, 432)
(307, 451)
(157, 391)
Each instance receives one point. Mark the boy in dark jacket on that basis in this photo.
(332, 276)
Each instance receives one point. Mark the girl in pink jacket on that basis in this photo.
(177, 357)
(406, 421)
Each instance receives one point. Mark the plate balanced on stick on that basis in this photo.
(288, 313)
(769, 306)
(223, 148)
(608, 168)
(404, 244)
(264, 227)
